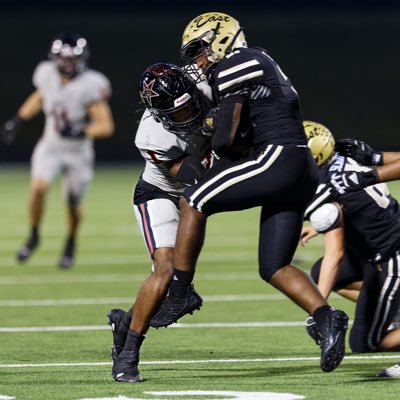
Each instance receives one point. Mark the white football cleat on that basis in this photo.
(391, 372)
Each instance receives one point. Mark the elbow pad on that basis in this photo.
(325, 217)
(190, 171)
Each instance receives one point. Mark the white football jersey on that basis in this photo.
(67, 103)
(157, 146)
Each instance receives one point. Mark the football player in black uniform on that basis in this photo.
(362, 243)
(280, 176)
(387, 169)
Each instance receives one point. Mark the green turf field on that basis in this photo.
(247, 342)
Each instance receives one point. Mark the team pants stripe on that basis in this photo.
(148, 232)
(390, 287)
(270, 158)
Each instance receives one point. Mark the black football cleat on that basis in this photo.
(125, 368)
(119, 330)
(27, 249)
(172, 308)
(332, 339)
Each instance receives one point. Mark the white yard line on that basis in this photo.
(98, 278)
(128, 300)
(211, 361)
(276, 324)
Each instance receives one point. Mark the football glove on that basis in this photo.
(359, 151)
(351, 181)
(72, 133)
(10, 129)
(210, 121)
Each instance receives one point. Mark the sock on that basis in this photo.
(320, 312)
(69, 246)
(180, 282)
(133, 341)
(33, 239)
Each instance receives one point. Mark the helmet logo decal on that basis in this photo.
(201, 21)
(148, 91)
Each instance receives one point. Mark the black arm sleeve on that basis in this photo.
(190, 171)
(221, 140)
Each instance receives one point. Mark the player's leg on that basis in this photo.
(158, 220)
(279, 235)
(77, 175)
(44, 168)
(182, 298)
(377, 305)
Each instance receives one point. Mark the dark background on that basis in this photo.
(342, 57)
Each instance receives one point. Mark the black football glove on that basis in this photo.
(10, 129)
(351, 181)
(70, 132)
(210, 121)
(359, 151)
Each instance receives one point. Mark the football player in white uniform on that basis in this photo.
(176, 152)
(74, 101)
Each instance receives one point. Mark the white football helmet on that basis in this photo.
(320, 141)
(212, 34)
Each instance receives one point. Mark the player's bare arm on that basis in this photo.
(31, 107)
(333, 254)
(101, 120)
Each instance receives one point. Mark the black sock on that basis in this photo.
(34, 238)
(180, 282)
(320, 312)
(133, 341)
(69, 248)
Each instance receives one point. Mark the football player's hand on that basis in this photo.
(209, 122)
(10, 129)
(72, 133)
(307, 233)
(351, 181)
(359, 151)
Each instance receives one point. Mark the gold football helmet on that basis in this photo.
(320, 141)
(217, 33)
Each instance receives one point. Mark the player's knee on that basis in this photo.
(39, 188)
(266, 271)
(358, 342)
(163, 265)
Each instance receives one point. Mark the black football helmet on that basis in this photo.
(71, 52)
(172, 98)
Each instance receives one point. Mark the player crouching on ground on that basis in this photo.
(362, 245)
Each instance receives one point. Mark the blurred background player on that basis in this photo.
(74, 101)
(362, 242)
(280, 176)
(170, 139)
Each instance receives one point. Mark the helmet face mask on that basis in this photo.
(211, 35)
(71, 53)
(320, 141)
(172, 98)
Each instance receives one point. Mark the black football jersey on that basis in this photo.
(273, 104)
(371, 215)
